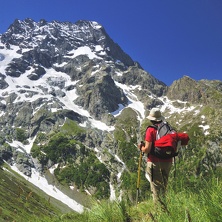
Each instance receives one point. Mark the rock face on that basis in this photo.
(196, 92)
(55, 73)
(84, 51)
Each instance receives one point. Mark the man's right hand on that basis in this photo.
(140, 145)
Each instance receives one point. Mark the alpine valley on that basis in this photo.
(73, 107)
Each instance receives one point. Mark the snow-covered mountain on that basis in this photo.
(68, 93)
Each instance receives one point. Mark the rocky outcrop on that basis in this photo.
(99, 95)
(197, 92)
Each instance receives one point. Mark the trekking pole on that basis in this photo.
(138, 177)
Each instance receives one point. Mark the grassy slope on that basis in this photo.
(200, 201)
(22, 201)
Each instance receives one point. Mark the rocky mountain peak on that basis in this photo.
(62, 37)
(83, 51)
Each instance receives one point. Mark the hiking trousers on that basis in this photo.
(158, 176)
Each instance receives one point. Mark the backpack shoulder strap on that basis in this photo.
(152, 126)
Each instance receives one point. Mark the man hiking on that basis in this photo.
(158, 169)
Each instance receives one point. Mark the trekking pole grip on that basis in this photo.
(141, 145)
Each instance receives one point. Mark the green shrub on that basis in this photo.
(90, 172)
(70, 127)
(20, 134)
(60, 147)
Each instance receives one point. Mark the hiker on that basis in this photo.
(158, 169)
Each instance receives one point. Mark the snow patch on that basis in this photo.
(83, 50)
(134, 103)
(51, 190)
(21, 147)
(205, 128)
(168, 104)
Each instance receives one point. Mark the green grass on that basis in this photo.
(72, 128)
(201, 203)
(21, 201)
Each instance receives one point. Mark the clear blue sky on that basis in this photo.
(169, 38)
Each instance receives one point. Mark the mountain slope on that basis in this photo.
(21, 201)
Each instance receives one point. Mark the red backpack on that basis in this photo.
(167, 139)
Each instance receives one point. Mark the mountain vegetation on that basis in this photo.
(22, 201)
(73, 108)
